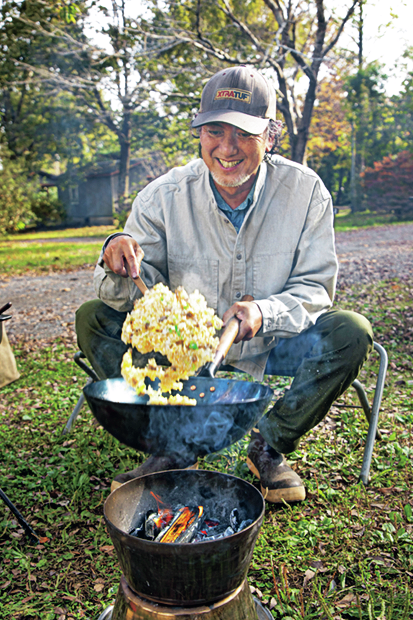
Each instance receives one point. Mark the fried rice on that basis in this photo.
(178, 325)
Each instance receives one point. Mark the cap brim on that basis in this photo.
(246, 122)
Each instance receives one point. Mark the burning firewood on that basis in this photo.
(187, 525)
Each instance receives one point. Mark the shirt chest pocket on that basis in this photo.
(271, 273)
(195, 274)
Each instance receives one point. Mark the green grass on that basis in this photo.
(345, 552)
(23, 257)
(33, 252)
(345, 220)
(88, 231)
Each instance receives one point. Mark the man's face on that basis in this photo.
(232, 155)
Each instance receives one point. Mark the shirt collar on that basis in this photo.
(224, 206)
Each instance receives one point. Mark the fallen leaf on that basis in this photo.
(309, 574)
(107, 548)
(28, 598)
(5, 585)
(318, 565)
(98, 587)
(346, 601)
(43, 539)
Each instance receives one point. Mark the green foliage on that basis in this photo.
(21, 200)
(329, 144)
(368, 111)
(194, 39)
(347, 220)
(28, 251)
(354, 120)
(36, 120)
(46, 208)
(15, 196)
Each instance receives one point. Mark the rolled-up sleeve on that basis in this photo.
(146, 228)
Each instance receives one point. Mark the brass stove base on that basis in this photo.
(239, 605)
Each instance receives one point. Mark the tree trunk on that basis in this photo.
(124, 166)
(358, 147)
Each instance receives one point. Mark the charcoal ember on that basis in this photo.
(186, 524)
(244, 524)
(234, 519)
(138, 532)
(212, 529)
(151, 527)
(204, 536)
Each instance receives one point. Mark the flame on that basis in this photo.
(185, 519)
(165, 516)
(157, 499)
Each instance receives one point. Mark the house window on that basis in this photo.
(74, 193)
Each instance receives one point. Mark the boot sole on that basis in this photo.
(115, 484)
(278, 496)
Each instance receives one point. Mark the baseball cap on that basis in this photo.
(239, 96)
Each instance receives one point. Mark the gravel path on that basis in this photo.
(44, 306)
(372, 254)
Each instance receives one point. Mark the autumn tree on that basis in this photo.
(329, 144)
(388, 185)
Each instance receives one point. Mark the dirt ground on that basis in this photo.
(44, 306)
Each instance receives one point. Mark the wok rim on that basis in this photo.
(92, 387)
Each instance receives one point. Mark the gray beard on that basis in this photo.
(234, 183)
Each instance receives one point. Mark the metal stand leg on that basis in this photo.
(27, 528)
(75, 411)
(373, 415)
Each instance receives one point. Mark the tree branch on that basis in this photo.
(341, 28)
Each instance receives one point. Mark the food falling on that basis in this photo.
(177, 325)
(186, 524)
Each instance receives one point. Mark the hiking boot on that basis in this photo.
(152, 465)
(278, 481)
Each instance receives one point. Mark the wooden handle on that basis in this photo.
(141, 285)
(138, 281)
(228, 336)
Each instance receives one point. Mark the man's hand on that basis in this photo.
(250, 317)
(122, 251)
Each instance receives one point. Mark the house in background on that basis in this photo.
(90, 194)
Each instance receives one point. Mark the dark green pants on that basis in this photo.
(324, 361)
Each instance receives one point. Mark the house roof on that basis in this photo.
(105, 168)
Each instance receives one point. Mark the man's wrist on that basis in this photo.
(109, 239)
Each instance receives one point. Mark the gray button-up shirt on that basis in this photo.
(283, 254)
(236, 216)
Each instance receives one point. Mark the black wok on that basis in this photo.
(226, 410)
(221, 417)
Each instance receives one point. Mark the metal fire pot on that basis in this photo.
(189, 574)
